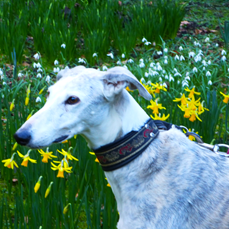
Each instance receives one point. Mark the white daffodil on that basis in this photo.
(82, 61)
(185, 83)
(187, 78)
(204, 63)
(216, 45)
(147, 43)
(141, 65)
(177, 74)
(38, 99)
(123, 55)
(182, 58)
(209, 82)
(144, 39)
(39, 70)
(159, 68)
(94, 55)
(56, 62)
(207, 39)
(39, 75)
(36, 56)
(153, 73)
(165, 61)
(197, 43)
(130, 61)
(208, 73)
(63, 46)
(176, 57)
(19, 74)
(223, 58)
(152, 65)
(118, 62)
(197, 58)
(165, 50)
(110, 55)
(104, 68)
(180, 48)
(223, 52)
(171, 78)
(56, 70)
(191, 54)
(146, 74)
(194, 70)
(47, 78)
(159, 52)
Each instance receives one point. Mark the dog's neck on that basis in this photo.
(123, 116)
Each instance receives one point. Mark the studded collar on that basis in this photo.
(122, 151)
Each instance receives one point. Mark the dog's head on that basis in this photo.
(79, 100)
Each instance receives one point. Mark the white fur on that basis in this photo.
(163, 187)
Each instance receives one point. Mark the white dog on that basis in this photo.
(173, 184)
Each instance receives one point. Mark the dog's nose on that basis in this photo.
(22, 137)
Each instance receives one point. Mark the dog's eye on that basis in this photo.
(72, 100)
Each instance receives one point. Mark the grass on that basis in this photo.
(169, 60)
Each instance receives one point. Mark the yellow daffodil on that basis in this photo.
(186, 110)
(26, 101)
(226, 97)
(201, 107)
(10, 163)
(108, 185)
(27, 95)
(12, 105)
(48, 189)
(40, 92)
(14, 146)
(192, 92)
(158, 87)
(75, 136)
(183, 100)
(192, 138)
(156, 117)
(68, 154)
(46, 155)
(155, 106)
(28, 90)
(92, 153)
(62, 167)
(29, 116)
(37, 185)
(128, 89)
(66, 208)
(97, 160)
(148, 88)
(26, 158)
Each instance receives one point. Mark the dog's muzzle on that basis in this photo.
(22, 137)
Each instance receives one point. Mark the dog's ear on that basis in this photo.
(118, 78)
(70, 72)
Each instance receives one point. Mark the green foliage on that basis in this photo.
(225, 32)
(94, 25)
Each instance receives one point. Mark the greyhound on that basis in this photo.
(172, 184)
